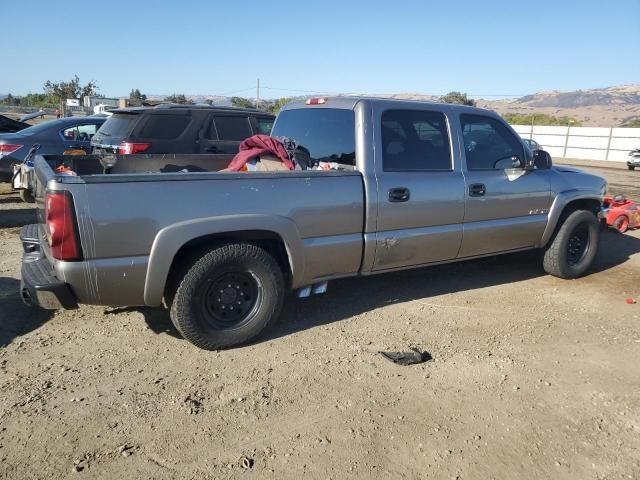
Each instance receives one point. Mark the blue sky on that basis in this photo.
(221, 47)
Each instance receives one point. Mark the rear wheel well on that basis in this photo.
(191, 251)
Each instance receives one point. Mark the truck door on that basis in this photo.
(420, 188)
(506, 206)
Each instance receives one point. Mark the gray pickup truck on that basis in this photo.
(418, 184)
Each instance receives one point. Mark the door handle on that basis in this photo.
(400, 194)
(212, 149)
(477, 189)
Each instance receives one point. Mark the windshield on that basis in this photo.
(328, 133)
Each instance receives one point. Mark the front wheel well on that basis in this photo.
(589, 204)
(188, 253)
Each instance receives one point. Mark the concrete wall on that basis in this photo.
(588, 143)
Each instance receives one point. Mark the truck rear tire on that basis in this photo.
(26, 196)
(228, 296)
(574, 247)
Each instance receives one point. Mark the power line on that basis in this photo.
(237, 91)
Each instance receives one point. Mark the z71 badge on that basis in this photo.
(538, 211)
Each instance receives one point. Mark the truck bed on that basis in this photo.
(127, 218)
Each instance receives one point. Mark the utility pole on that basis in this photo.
(258, 94)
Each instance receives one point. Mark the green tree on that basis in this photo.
(208, 101)
(459, 98)
(60, 91)
(178, 98)
(274, 106)
(631, 122)
(242, 102)
(137, 95)
(540, 119)
(10, 100)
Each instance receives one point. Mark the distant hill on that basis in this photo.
(600, 107)
(623, 95)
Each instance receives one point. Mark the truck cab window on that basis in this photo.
(328, 133)
(415, 140)
(488, 144)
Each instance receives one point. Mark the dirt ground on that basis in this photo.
(532, 377)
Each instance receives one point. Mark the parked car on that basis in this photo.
(633, 160)
(532, 144)
(9, 125)
(53, 138)
(174, 128)
(222, 252)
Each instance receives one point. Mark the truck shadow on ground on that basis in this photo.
(17, 319)
(349, 297)
(17, 217)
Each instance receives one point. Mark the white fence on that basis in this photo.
(588, 143)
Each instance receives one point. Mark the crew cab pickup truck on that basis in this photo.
(418, 184)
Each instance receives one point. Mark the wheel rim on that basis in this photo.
(623, 224)
(578, 244)
(231, 299)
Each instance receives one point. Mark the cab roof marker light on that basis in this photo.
(316, 101)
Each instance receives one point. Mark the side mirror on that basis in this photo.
(542, 160)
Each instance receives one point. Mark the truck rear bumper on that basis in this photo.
(38, 286)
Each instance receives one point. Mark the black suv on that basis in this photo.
(174, 128)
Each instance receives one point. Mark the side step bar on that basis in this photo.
(315, 289)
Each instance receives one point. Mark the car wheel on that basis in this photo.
(228, 296)
(621, 224)
(574, 246)
(26, 196)
(631, 167)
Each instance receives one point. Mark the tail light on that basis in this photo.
(61, 225)
(130, 148)
(8, 148)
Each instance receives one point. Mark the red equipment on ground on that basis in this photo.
(621, 213)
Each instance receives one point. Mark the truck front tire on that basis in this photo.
(574, 246)
(228, 296)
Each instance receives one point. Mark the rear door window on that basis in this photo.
(327, 133)
(415, 140)
(165, 127)
(230, 128)
(80, 133)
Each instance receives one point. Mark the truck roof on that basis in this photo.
(349, 102)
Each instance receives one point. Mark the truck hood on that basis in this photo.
(565, 179)
(565, 169)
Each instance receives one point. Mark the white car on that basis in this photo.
(633, 160)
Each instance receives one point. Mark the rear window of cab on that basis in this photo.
(328, 133)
